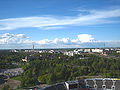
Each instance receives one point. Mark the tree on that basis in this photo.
(6, 87)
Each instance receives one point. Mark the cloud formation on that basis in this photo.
(85, 38)
(11, 41)
(12, 38)
(53, 22)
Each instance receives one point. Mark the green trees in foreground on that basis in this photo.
(6, 87)
(57, 69)
(52, 68)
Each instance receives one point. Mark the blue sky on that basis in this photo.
(59, 23)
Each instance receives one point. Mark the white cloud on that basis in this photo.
(44, 41)
(21, 36)
(8, 40)
(56, 41)
(53, 27)
(28, 42)
(65, 40)
(85, 38)
(12, 38)
(74, 41)
(54, 22)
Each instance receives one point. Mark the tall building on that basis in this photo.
(33, 46)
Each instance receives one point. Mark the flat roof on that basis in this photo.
(72, 82)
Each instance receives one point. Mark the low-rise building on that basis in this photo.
(87, 50)
(25, 59)
(118, 51)
(13, 72)
(96, 50)
(70, 53)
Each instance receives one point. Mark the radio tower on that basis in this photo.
(33, 47)
(104, 44)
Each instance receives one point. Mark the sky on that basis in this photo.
(59, 24)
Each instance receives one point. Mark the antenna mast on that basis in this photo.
(33, 47)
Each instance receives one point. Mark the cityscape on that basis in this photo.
(59, 45)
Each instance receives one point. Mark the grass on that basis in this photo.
(19, 78)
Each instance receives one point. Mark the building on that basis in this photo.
(87, 50)
(87, 84)
(70, 53)
(14, 50)
(118, 51)
(97, 50)
(75, 85)
(26, 59)
(13, 72)
(78, 51)
(103, 83)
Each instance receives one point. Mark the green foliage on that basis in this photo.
(6, 87)
(17, 78)
(52, 68)
(7, 59)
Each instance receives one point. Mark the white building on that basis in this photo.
(71, 85)
(70, 53)
(87, 50)
(25, 60)
(14, 50)
(118, 51)
(51, 51)
(107, 49)
(97, 50)
(78, 51)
